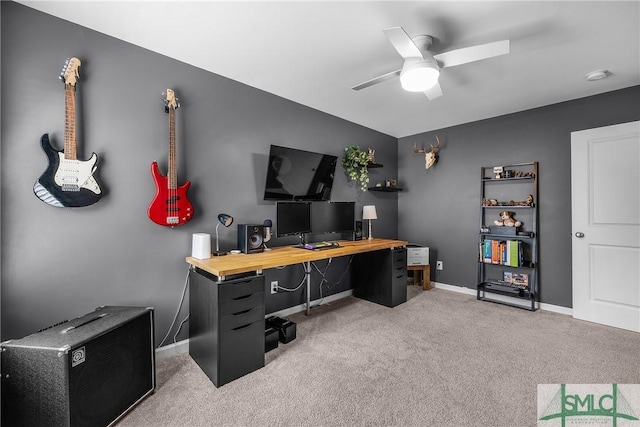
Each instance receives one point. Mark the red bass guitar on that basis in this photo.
(170, 206)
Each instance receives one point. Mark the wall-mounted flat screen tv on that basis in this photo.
(294, 174)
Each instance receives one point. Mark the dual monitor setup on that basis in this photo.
(299, 218)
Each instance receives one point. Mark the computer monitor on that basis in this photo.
(333, 217)
(293, 218)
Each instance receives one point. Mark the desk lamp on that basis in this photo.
(225, 220)
(369, 212)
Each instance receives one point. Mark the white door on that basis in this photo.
(605, 199)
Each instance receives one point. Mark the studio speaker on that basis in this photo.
(357, 234)
(88, 371)
(250, 238)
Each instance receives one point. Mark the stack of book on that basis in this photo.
(502, 252)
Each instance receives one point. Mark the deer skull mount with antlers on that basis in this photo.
(430, 157)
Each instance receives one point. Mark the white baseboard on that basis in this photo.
(302, 307)
(182, 347)
(541, 305)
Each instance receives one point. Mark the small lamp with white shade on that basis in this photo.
(369, 212)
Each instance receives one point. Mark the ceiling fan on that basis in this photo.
(421, 68)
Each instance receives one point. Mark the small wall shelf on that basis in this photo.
(385, 189)
(371, 165)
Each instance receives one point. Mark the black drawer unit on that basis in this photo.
(381, 276)
(226, 325)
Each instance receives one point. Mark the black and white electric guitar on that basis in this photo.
(68, 182)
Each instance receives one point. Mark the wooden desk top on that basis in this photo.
(287, 255)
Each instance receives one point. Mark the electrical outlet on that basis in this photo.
(274, 287)
(439, 265)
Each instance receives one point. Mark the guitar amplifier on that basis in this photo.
(88, 371)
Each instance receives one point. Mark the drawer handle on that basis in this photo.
(397, 277)
(243, 297)
(240, 313)
(241, 327)
(400, 268)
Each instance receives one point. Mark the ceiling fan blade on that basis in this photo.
(377, 80)
(402, 42)
(473, 53)
(434, 92)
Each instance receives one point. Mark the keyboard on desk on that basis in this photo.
(318, 246)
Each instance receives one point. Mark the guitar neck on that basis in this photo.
(172, 173)
(70, 122)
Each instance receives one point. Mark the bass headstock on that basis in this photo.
(170, 100)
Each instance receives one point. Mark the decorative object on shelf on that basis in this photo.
(225, 220)
(494, 202)
(68, 182)
(170, 206)
(371, 155)
(355, 162)
(499, 172)
(369, 212)
(506, 220)
(528, 202)
(430, 157)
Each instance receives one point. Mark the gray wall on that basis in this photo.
(441, 205)
(61, 263)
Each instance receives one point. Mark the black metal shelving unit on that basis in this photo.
(502, 191)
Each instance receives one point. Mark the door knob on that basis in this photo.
(579, 235)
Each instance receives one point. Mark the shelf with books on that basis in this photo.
(509, 251)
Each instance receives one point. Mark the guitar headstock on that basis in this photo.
(70, 73)
(170, 100)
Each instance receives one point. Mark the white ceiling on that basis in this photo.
(314, 52)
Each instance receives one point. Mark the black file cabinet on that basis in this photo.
(226, 325)
(381, 276)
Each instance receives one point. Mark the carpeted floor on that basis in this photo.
(440, 359)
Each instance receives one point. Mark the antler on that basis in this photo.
(435, 149)
(415, 149)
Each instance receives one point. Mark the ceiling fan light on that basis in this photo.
(419, 76)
